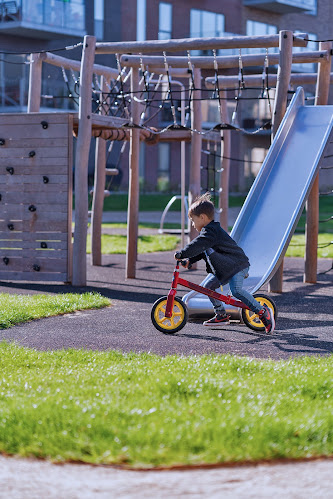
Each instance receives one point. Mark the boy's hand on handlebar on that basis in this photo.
(186, 264)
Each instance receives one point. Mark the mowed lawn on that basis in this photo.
(16, 308)
(143, 410)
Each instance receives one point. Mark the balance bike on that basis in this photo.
(169, 313)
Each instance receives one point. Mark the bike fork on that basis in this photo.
(172, 292)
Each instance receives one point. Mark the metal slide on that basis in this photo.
(275, 202)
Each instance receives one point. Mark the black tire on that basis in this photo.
(251, 319)
(169, 325)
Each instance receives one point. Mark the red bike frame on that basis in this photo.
(200, 289)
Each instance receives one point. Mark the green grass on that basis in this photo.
(297, 245)
(154, 202)
(142, 225)
(15, 309)
(112, 244)
(147, 410)
(325, 212)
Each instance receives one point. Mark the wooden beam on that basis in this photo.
(100, 122)
(98, 194)
(81, 163)
(312, 205)
(133, 192)
(57, 60)
(280, 106)
(177, 45)
(225, 82)
(35, 83)
(70, 201)
(195, 170)
(225, 165)
(223, 62)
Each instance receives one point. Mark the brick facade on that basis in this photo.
(120, 23)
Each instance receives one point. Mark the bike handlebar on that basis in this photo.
(183, 263)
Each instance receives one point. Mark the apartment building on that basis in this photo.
(32, 25)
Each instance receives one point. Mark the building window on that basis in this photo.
(256, 28)
(141, 20)
(165, 21)
(163, 168)
(312, 6)
(306, 67)
(14, 78)
(205, 24)
(99, 18)
(55, 13)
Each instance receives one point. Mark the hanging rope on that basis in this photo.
(241, 86)
(146, 84)
(173, 110)
(265, 83)
(122, 93)
(191, 87)
(217, 87)
(70, 95)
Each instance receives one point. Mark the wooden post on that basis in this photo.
(312, 205)
(280, 106)
(35, 83)
(283, 78)
(99, 186)
(225, 165)
(81, 163)
(196, 146)
(133, 191)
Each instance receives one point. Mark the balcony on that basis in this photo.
(282, 6)
(44, 19)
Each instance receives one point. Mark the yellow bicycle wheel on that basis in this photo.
(169, 325)
(251, 319)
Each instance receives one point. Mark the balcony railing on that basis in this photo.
(43, 18)
(282, 6)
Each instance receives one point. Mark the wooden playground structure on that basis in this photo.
(131, 68)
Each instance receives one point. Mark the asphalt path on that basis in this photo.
(304, 325)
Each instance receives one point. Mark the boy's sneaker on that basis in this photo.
(217, 320)
(266, 316)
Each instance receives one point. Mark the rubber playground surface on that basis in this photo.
(304, 325)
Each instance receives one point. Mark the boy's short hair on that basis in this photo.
(202, 205)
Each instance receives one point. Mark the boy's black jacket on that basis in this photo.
(227, 258)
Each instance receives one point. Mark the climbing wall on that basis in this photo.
(36, 197)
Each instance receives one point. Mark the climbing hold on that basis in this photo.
(45, 179)
(44, 124)
(10, 170)
(32, 154)
(10, 226)
(32, 208)
(5, 260)
(2, 142)
(36, 268)
(43, 245)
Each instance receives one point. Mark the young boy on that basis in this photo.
(225, 261)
